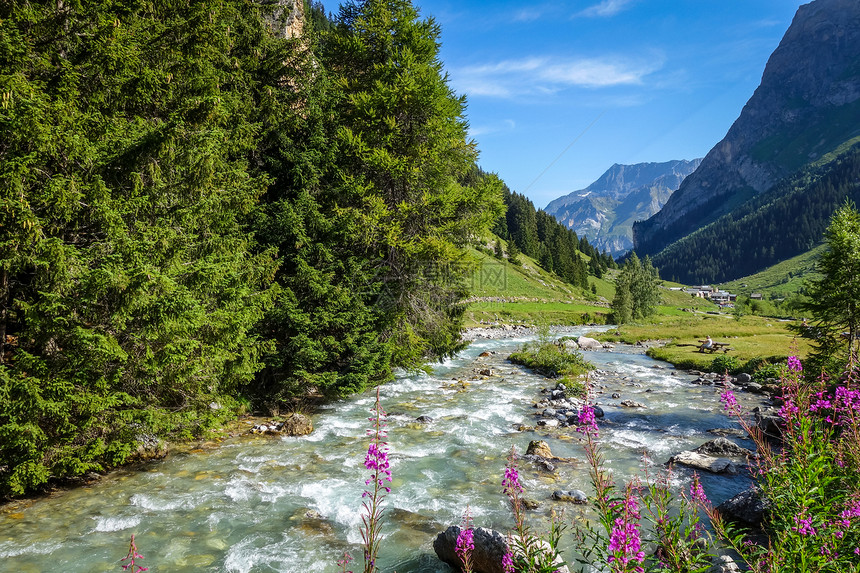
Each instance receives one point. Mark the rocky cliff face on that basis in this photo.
(808, 104)
(604, 211)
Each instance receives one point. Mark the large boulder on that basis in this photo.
(748, 506)
(490, 548)
(148, 447)
(586, 343)
(724, 448)
(539, 448)
(297, 425)
(704, 462)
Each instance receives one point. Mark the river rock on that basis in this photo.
(148, 447)
(724, 448)
(424, 419)
(704, 462)
(297, 425)
(573, 496)
(570, 345)
(734, 432)
(769, 422)
(586, 343)
(598, 411)
(724, 564)
(539, 448)
(490, 548)
(552, 423)
(743, 378)
(747, 506)
(632, 404)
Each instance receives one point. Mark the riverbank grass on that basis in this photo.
(751, 338)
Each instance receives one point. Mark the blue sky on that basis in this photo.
(598, 82)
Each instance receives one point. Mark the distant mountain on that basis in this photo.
(807, 105)
(604, 211)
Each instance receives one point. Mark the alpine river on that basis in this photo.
(261, 503)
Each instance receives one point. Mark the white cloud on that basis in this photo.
(527, 15)
(605, 9)
(549, 75)
(504, 125)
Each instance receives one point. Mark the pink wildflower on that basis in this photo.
(730, 403)
(508, 563)
(587, 424)
(696, 492)
(794, 364)
(803, 526)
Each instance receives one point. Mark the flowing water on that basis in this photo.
(259, 504)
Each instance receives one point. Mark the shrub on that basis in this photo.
(552, 360)
(767, 370)
(725, 363)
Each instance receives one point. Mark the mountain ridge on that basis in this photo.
(604, 211)
(807, 104)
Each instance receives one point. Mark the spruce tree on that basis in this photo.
(834, 299)
(404, 149)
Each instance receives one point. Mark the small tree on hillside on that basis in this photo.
(834, 299)
(636, 291)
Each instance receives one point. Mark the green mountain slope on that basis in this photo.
(784, 222)
(782, 279)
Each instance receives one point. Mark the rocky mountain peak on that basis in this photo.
(808, 103)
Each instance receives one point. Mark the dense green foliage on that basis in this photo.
(834, 299)
(129, 288)
(637, 292)
(196, 208)
(784, 222)
(552, 360)
(557, 248)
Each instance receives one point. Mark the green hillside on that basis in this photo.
(782, 279)
(505, 293)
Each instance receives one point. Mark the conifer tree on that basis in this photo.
(834, 299)
(129, 288)
(404, 149)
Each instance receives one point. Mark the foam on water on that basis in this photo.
(259, 551)
(117, 523)
(8, 550)
(173, 501)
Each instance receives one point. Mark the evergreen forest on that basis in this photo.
(205, 211)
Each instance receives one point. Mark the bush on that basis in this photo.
(767, 370)
(552, 360)
(725, 363)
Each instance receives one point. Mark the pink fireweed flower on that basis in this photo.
(788, 409)
(131, 557)
(730, 403)
(586, 422)
(508, 563)
(794, 364)
(803, 526)
(697, 494)
(465, 542)
(465, 545)
(511, 485)
(625, 544)
(376, 461)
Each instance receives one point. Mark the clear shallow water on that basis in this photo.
(260, 504)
